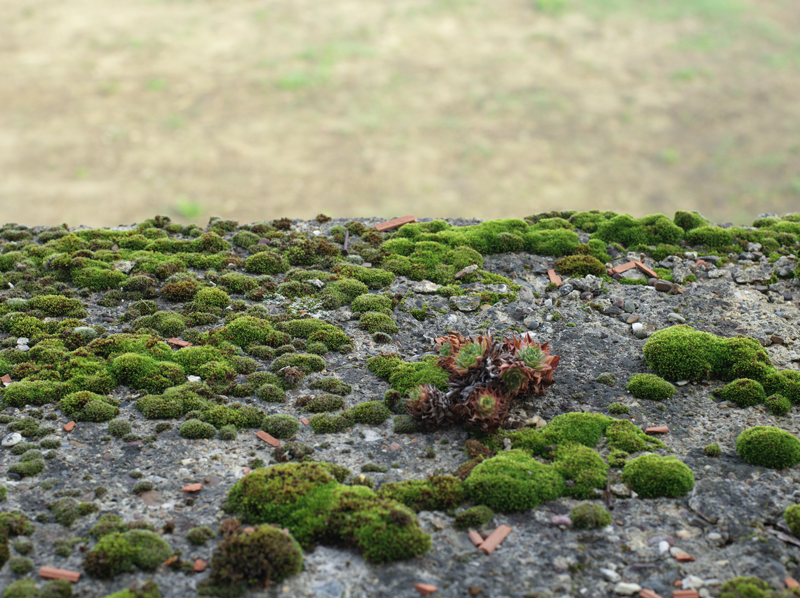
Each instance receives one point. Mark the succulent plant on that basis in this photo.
(486, 375)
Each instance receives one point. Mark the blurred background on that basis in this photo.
(113, 111)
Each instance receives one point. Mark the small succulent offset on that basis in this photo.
(486, 375)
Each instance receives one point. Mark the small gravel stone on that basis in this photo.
(11, 439)
(627, 589)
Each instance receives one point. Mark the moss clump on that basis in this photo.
(372, 413)
(321, 403)
(374, 278)
(589, 515)
(792, 518)
(175, 402)
(376, 303)
(652, 476)
(785, 382)
(266, 262)
(20, 565)
(120, 552)
(67, 510)
(29, 466)
(437, 493)
(749, 587)
(195, 429)
(3, 492)
(60, 588)
(180, 291)
(303, 361)
(689, 220)
(31, 392)
(341, 292)
(580, 265)
(778, 405)
(743, 392)
(142, 371)
(581, 428)
(247, 330)
(713, 237)
(681, 352)
(474, 517)
(97, 279)
(404, 376)
(57, 306)
(148, 590)
(270, 393)
(618, 408)
(280, 425)
(405, 424)
(107, 524)
(769, 447)
(624, 435)
(266, 554)
(712, 450)
(200, 535)
(88, 406)
(326, 423)
(332, 386)
(650, 386)
(582, 469)
(650, 230)
(373, 322)
(513, 481)
(314, 330)
(22, 588)
(15, 523)
(241, 416)
(212, 297)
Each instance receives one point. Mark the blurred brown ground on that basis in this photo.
(112, 111)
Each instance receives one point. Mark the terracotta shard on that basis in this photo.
(647, 271)
(684, 558)
(304, 421)
(425, 588)
(685, 594)
(269, 439)
(551, 274)
(475, 538)
(791, 583)
(192, 487)
(246, 470)
(394, 223)
(53, 573)
(647, 593)
(200, 565)
(623, 267)
(494, 540)
(69, 427)
(657, 430)
(6, 379)
(179, 342)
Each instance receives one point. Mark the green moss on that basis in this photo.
(321, 403)
(121, 552)
(304, 362)
(20, 565)
(626, 436)
(436, 493)
(745, 587)
(589, 515)
(768, 446)
(59, 588)
(580, 265)
(148, 590)
(3, 493)
(473, 517)
(212, 297)
(650, 386)
(405, 424)
(652, 476)
(374, 278)
(31, 392)
(373, 321)
(15, 523)
(58, 306)
(28, 468)
(513, 481)
(376, 303)
(712, 450)
(198, 536)
(88, 406)
(618, 408)
(280, 425)
(270, 393)
(650, 230)
(67, 510)
(778, 405)
(743, 392)
(98, 279)
(337, 293)
(713, 237)
(315, 330)
(372, 413)
(266, 263)
(785, 382)
(326, 423)
(581, 428)
(681, 352)
(689, 220)
(241, 416)
(403, 376)
(582, 469)
(194, 429)
(22, 588)
(107, 524)
(264, 555)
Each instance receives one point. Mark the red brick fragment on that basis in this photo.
(684, 558)
(192, 487)
(647, 271)
(475, 538)
(425, 588)
(69, 427)
(610, 272)
(685, 594)
(53, 573)
(678, 583)
(791, 583)
(246, 470)
(551, 274)
(657, 430)
(495, 539)
(268, 438)
(394, 223)
(249, 529)
(648, 593)
(200, 565)
(623, 267)
(6, 379)
(179, 342)
(304, 421)
(169, 561)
